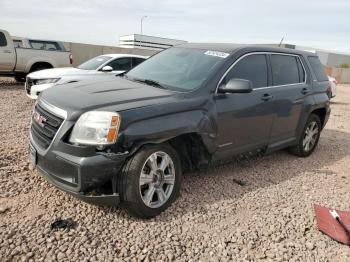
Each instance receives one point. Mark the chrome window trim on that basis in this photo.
(264, 53)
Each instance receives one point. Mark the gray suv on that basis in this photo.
(128, 140)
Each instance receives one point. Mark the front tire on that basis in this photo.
(308, 140)
(150, 181)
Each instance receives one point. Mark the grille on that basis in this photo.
(44, 126)
(29, 83)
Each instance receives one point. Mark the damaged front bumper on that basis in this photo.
(87, 175)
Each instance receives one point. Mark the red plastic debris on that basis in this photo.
(327, 224)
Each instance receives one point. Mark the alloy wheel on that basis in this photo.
(310, 136)
(157, 179)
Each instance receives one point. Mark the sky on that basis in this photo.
(314, 23)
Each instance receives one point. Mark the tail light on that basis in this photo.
(71, 59)
(329, 88)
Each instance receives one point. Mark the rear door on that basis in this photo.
(7, 53)
(244, 120)
(290, 90)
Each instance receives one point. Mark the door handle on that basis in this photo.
(7, 51)
(305, 91)
(266, 97)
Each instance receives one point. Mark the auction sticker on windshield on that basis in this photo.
(217, 53)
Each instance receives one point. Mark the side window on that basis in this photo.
(136, 61)
(51, 46)
(121, 64)
(253, 68)
(285, 70)
(318, 68)
(37, 45)
(3, 41)
(43, 45)
(302, 76)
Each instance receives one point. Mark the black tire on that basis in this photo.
(300, 149)
(38, 68)
(20, 79)
(129, 182)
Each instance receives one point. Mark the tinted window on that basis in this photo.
(302, 75)
(253, 68)
(136, 61)
(284, 70)
(3, 41)
(318, 68)
(44, 45)
(121, 64)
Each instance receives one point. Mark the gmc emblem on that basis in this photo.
(39, 118)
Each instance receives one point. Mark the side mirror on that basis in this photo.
(236, 86)
(107, 69)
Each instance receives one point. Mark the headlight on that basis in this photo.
(46, 81)
(96, 128)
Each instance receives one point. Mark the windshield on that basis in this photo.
(94, 63)
(180, 69)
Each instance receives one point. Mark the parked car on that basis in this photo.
(129, 140)
(332, 89)
(101, 65)
(20, 56)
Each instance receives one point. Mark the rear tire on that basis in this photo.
(38, 68)
(150, 181)
(20, 79)
(308, 139)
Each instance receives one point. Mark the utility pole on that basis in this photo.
(145, 16)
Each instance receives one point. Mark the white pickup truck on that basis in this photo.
(20, 56)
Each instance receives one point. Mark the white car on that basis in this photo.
(109, 64)
(332, 87)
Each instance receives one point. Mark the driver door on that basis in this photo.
(244, 120)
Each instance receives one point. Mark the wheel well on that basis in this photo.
(191, 150)
(40, 65)
(321, 113)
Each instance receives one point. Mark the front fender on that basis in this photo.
(163, 128)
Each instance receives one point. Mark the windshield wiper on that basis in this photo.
(150, 82)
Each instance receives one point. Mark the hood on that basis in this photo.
(59, 72)
(116, 95)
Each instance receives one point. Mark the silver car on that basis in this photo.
(109, 64)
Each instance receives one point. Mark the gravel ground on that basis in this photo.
(267, 217)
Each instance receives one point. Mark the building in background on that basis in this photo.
(148, 42)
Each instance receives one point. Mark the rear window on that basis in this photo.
(3, 41)
(318, 68)
(44, 45)
(285, 70)
(18, 43)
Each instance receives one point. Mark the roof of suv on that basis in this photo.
(231, 48)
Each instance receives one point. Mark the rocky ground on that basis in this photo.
(269, 216)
